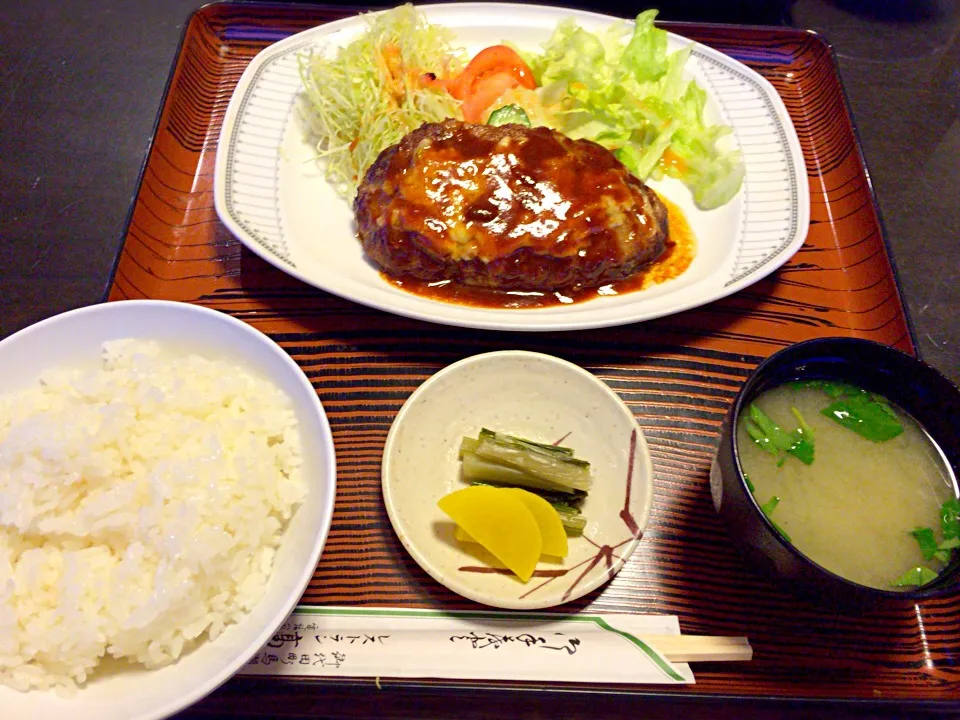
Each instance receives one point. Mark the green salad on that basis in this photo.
(623, 89)
(620, 88)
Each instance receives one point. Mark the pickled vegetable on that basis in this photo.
(510, 460)
(499, 521)
(552, 534)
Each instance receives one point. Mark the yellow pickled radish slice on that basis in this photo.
(461, 535)
(553, 537)
(500, 522)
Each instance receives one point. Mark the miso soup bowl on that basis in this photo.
(919, 389)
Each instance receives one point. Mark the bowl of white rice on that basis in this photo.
(167, 481)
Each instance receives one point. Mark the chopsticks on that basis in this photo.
(701, 648)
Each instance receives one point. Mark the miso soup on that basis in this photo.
(863, 502)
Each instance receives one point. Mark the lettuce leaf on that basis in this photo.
(625, 91)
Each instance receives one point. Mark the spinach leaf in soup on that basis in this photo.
(950, 518)
(926, 541)
(916, 577)
(832, 388)
(931, 549)
(865, 413)
(775, 440)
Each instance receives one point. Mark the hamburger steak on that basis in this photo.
(506, 208)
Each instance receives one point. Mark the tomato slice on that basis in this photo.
(485, 91)
(490, 61)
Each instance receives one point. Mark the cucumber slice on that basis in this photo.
(509, 114)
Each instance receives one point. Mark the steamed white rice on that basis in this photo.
(141, 504)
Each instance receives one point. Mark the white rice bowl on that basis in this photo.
(122, 690)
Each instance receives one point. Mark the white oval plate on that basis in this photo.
(75, 337)
(270, 192)
(538, 397)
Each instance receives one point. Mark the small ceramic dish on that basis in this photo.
(920, 390)
(541, 398)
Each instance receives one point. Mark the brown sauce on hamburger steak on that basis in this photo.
(676, 258)
(509, 209)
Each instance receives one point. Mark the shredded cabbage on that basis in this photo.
(622, 89)
(368, 96)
